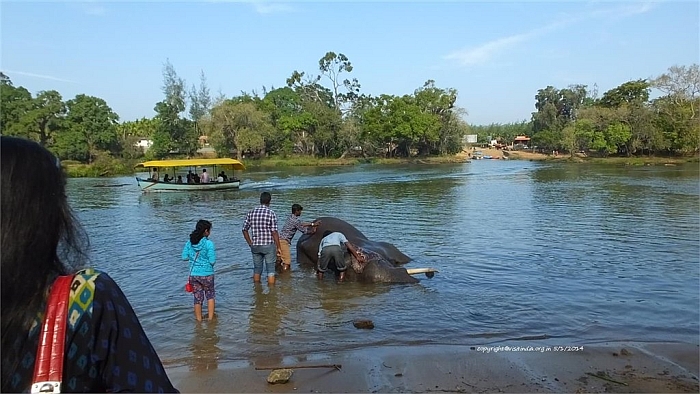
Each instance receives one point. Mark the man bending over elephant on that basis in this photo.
(332, 248)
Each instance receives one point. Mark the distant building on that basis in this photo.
(203, 141)
(470, 139)
(521, 142)
(143, 143)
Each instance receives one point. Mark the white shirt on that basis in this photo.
(204, 178)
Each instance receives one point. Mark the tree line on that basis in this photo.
(624, 121)
(326, 115)
(321, 115)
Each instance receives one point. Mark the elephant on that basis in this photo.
(383, 260)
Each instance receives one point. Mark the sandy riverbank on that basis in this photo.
(650, 368)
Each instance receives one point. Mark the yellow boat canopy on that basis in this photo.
(237, 165)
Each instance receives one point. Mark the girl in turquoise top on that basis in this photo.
(200, 253)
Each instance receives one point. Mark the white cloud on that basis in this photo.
(269, 8)
(260, 6)
(41, 76)
(96, 10)
(90, 7)
(484, 53)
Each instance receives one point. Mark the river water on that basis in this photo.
(581, 253)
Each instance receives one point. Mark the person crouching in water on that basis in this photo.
(200, 253)
(332, 249)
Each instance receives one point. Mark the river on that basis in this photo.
(580, 253)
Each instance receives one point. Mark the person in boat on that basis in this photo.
(201, 254)
(105, 344)
(205, 176)
(195, 177)
(219, 178)
(167, 178)
(265, 242)
(289, 230)
(332, 249)
(154, 174)
(223, 175)
(179, 179)
(190, 177)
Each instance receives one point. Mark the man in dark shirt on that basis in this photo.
(289, 230)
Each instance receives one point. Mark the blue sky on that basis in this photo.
(496, 54)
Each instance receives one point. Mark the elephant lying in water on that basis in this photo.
(382, 260)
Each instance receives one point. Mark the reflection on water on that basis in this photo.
(205, 353)
(580, 253)
(265, 322)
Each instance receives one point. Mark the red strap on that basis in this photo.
(52, 339)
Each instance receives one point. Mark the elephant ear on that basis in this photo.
(368, 256)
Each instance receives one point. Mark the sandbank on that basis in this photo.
(640, 367)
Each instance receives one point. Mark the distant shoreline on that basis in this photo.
(123, 168)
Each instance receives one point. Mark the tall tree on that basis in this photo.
(45, 117)
(200, 100)
(16, 103)
(239, 127)
(90, 127)
(332, 65)
(173, 88)
(629, 93)
(678, 115)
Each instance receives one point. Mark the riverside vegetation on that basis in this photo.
(324, 119)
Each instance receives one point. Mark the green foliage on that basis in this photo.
(557, 108)
(90, 127)
(16, 103)
(200, 100)
(103, 166)
(548, 140)
(325, 116)
(629, 93)
(173, 88)
(239, 127)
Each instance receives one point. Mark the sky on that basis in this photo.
(496, 54)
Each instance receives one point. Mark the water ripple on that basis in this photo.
(582, 254)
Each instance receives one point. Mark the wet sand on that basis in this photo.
(640, 367)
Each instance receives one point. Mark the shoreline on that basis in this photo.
(609, 367)
(87, 170)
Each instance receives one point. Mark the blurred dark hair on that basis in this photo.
(327, 233)
(265, 198)
(40, 239)
(198, 233)
(297, 208)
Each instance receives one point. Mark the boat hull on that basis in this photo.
(148, 186)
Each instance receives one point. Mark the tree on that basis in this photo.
(682, 85)
(441, 104)
(557, 108)
(173, 88)
(677, 111)
(629, 93)
(16, 103)
(239, 127)
(44, 117)
(90, 127)
(332, 65)
(200, 100)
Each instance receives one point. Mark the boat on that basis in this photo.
(150, 185)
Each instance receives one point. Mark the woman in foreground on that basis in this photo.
(106, 348)
(200, 253)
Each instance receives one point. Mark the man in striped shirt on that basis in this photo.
(264, 242)
(289, 230)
